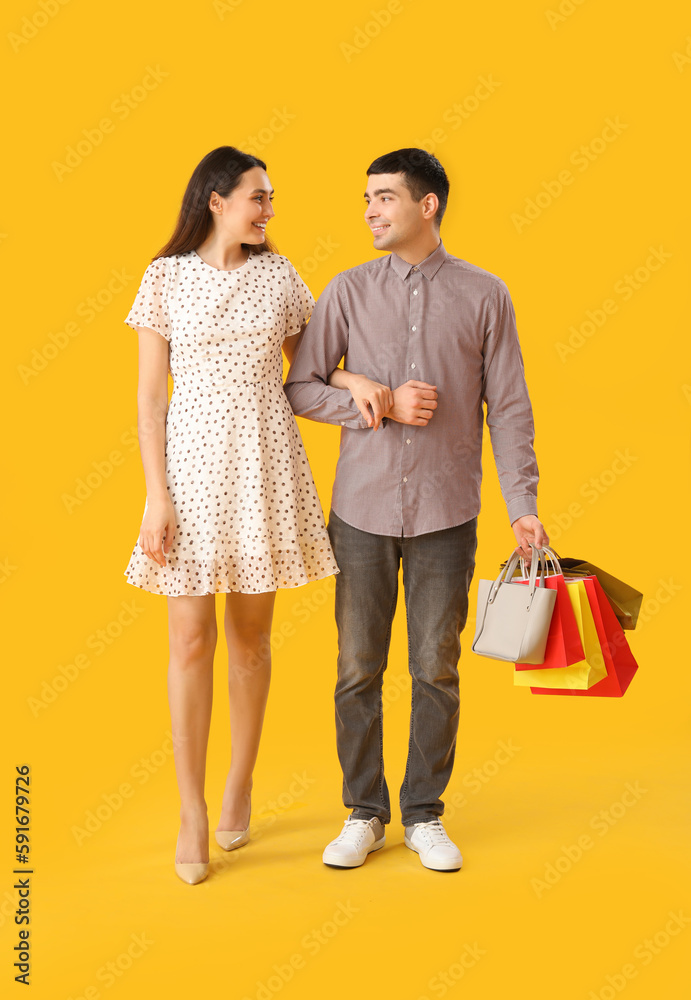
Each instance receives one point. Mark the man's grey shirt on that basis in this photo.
(443, 321)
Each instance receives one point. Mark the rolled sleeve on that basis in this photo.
(323, 344)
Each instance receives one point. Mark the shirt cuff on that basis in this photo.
(521, 506)
(357, 422)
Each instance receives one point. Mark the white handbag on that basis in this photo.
(513, 619)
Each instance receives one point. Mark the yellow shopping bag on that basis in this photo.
(583, 674)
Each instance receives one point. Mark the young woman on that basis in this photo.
(231, 505)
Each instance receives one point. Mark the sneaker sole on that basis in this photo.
(442, 866)
(335, 861)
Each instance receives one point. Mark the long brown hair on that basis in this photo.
(220, 171)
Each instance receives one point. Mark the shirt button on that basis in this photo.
(415, 292)
(413, 365)
(413, 328)
(407, 440)
(416, 269)
(405, 479)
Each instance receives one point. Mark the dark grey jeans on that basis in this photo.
(437, 572)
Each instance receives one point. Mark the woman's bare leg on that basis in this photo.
(248, 633)
(192, 634)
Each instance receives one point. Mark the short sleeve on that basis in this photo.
(150, 307)
(300, 303)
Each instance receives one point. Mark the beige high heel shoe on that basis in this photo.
(191, 872)
(229, 840)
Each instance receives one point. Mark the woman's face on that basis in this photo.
(248, 208)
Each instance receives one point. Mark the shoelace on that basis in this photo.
(434, 833)
(353, 831)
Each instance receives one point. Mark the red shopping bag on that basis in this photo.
(619, 660)
(564, 645)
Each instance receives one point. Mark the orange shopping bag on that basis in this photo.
(584, 673)
(564, 645)
(618, 658)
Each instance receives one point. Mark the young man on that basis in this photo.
(426, 337)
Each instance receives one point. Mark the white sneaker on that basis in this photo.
(432, 843)
(357, 839)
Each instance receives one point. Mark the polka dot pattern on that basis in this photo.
(248, 514)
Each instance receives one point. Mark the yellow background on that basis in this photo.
(402, 931)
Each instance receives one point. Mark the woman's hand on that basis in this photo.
(159, 522)
(366, 393)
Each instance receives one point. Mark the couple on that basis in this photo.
(231, 505)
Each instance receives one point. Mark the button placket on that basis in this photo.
(414, 331)
(414, 321)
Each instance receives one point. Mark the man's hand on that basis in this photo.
(414, 403)
(529, 529)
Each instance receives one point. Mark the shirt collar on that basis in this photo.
(429, 266)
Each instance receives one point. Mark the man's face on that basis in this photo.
(392, 215)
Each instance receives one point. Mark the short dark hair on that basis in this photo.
(422, 172)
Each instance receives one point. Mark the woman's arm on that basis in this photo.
(364, 391)
(290, 344)
(152, 406)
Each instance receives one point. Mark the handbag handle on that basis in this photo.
(507, 572)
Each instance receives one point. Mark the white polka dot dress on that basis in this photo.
(248, 515)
